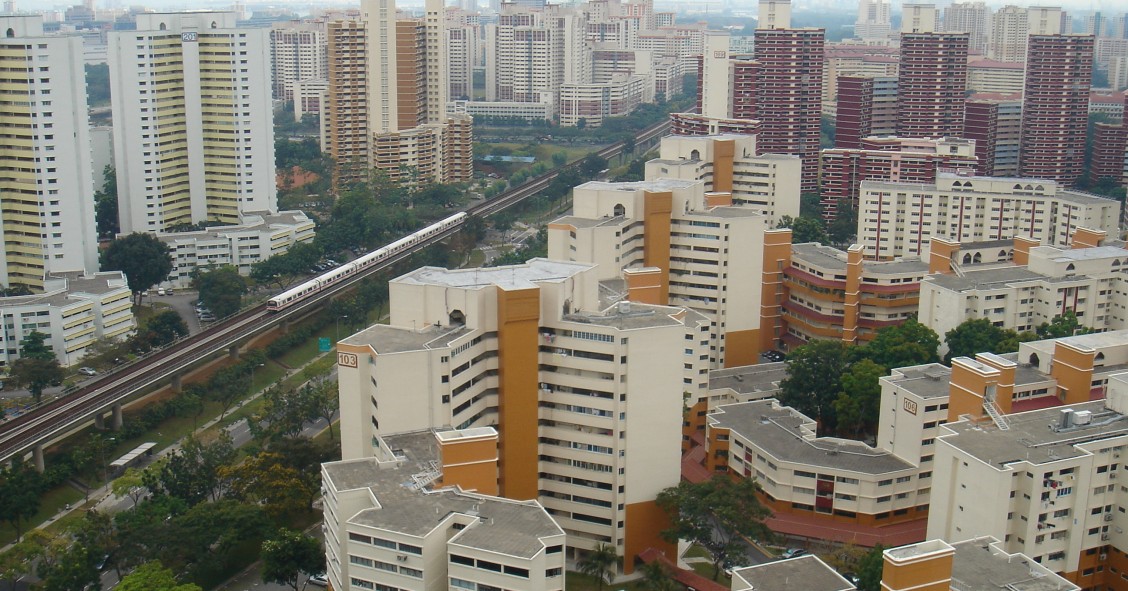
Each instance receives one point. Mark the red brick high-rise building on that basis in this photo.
(1055, 107)
(867, 106)
(1110, 153)
(789, 95)
(931, 85)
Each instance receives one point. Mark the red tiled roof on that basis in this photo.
(683, 576)
(812, 526)
(693, 465)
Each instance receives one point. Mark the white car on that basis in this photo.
(320, 580)
(87, 371)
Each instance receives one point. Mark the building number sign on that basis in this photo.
(910, 406)
(189, 37)
(346, 359)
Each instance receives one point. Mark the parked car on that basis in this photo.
(207, 317)
(320, 580)
(792, 553)
(773, 355)
(87, 371)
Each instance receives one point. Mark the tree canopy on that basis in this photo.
(152, 576)
(106, 205)
(804, 229)
(221, 290)
(37, 366)
(289, 556)
(600, 564)
(903, 345)
(715, 513)
(145, 261)
(813, 382)
(979, 335)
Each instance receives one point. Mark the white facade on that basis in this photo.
(608, 383)
(873, 19)
(973, 18)
(920, 18)
(767, 184)
(381, 534)
(299, 50)
(193, 129)
(1091, 282)
(73, 312)
(1011, 26)
(257, 238)
(543, 110)
(46, 183)
(594, 103)
(898, 219)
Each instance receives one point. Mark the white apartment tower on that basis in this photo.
(920, 18)
(298, 51)
(973, 18)
(193, 134)
(1011, 27)
(873, 19)
(530, 52)
(46, 181)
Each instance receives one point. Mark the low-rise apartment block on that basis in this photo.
(586, 391)
(897, 220)
(413, 517)
(259, 237)
(1021, 285)
(74, 311)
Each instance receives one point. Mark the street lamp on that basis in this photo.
(346, 317)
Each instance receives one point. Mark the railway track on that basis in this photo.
(61, 417)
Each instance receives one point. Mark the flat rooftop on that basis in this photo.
(1096, 341)
(993, 278)
(662, 184)
(828, 257)
(980, 564)
(509, 277)
(580, 222)
(778, 431)
(501, 525)
(630, 316)
(761, 379)
(1080, 254)
(806, 573)
(1034, 436)
(386, 339)
(926, 381)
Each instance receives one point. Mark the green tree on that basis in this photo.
(98, 84)
(657, 577)
(869, 569)
(842, 228)
(592, 165)
(71, 569)
(859, 404)
(600, 564)
(37, 367)
(716, 514)
(145, 261)
(221, 290)
(129, 484)
(106, 205)
(804, 229)
(814, 373)
(903, 345)
(152, 576)
(191, 473)
(979, 335)
(290, 555)
(266, 480)
(20, 489)
(165, 327)
(1062, 325)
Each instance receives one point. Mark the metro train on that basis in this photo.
(297, 294)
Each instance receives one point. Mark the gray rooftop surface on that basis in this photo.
(977, 566)
(831, 258)
(994, 278)
(663, 184)
(926, 381)
(638, 316)
(777, 431)
(806, 573)
(508, 277)
(749, 379)
(580, 222)
(508, 527)
(1031, 436)
(386, 339)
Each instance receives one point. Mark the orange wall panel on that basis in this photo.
(518, 317)
(645, 522)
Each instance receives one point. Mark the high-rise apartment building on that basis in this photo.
(298, 51)
(46, 181)
(530, 52)
(873, 19)
(1055, 107)
(788, 88)
(586, 393)
(1110, 153)
(659, 260)
(987, 75)
(994, 123)
(193, 129)
(896, 220)
(867, 106)
(893, 159)
(973, 18)
(1012, 25)
(931, 84)
(919, 18)
(387, 99)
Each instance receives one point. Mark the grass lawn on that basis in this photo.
(575, 581)
(696, 551)
(307, 351)
(49, 506)
(477, 259)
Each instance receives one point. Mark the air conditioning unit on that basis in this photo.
(403, 557)
(1112, 475)
(1104, 556)
(1116, 455)
(1108, 516)
(1105, 537)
